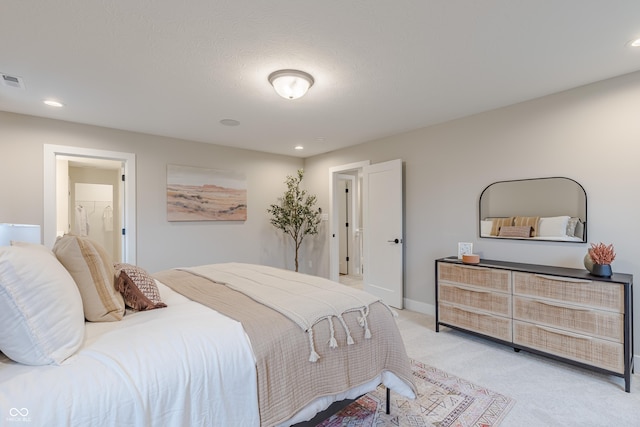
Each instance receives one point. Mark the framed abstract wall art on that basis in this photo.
(199, 194)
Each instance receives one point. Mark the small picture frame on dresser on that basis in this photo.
(464, 248)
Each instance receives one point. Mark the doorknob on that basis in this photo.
(396, 241)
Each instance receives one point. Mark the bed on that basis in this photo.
(210, 354)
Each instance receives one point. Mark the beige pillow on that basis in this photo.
(92, 269)
(500, 222)
(531, 221)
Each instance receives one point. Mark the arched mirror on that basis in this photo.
(550, 209)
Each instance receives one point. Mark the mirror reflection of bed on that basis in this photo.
(549, 209)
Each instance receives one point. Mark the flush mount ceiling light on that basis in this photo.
(634, 43)
(291, 84)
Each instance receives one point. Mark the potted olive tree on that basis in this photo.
(295, 213)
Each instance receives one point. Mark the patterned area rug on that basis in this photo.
(443, 401)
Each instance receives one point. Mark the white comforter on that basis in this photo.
(140, 372)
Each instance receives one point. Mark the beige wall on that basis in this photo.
(590, 134)
(160, 244)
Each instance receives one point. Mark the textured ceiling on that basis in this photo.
(176, 68)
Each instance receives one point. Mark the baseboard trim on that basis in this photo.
(420, 307)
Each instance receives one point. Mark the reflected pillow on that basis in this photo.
(555, 226)
(138, 288)
(579, 231)
(571, 226)
(522, 231)
(485, 227)
(40, 307)
(531, 221)
(500, 222)
(92, 269)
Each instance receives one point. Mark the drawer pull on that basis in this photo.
(563, 306)
(474, 267)
(471, 290)
(477, 313)
(563, 279)
(564, 333)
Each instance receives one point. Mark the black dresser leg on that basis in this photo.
(388, 400)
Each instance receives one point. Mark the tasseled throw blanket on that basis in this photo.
(304, 299)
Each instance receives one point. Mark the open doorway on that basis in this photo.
(345, 208)
(348, 204)
(94, 201)
(91, 193)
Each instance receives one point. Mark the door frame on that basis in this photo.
(334, 229)
(128, 160)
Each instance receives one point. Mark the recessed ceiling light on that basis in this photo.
(229, 122)
(299, 147)
(53, 103)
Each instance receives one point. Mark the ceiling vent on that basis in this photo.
(12, 81)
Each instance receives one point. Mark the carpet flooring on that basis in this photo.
(443, 400)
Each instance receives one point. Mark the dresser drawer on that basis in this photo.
(581, 348)
(489, 278)
(588, 293)
(493, 302)
(603, 324)
(483, 323)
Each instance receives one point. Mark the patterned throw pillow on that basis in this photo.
(571, 227)
(138, 288)
(522, 231)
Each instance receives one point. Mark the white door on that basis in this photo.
(382, 223)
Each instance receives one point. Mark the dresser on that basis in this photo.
(563, 313)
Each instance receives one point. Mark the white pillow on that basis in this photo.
(485, 227)
(555, 226)
(40, 307)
